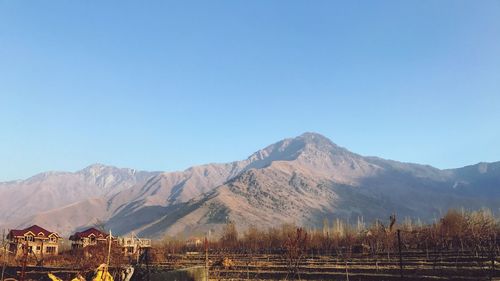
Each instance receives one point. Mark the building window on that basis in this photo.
(38, 248)
(52, 239)
(30, 238)
(50, 250)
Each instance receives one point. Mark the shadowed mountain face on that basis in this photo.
(301, 180)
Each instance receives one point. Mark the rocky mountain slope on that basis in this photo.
(310, 178)
(52, 190)
(301, 180)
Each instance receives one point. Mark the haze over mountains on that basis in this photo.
(300, 180)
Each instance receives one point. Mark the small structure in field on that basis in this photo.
(89, 237)
(194, 242)
(133, 245)
(33, 240)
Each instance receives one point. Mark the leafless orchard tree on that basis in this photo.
(295, 248)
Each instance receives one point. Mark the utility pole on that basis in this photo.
(106, 269)
(109, 249)
(400, 256)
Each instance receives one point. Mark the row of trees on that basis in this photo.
(477, 231)
(457, 232)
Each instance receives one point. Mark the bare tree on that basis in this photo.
(295, 247)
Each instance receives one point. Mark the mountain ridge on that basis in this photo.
(301, 180)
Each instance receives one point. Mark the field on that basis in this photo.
(460, 246)
(416, 266)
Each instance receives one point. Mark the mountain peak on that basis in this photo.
(312, 135)
(96, 169)
(312, 147)
(316, 139)
(95, 166)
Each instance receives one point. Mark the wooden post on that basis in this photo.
(5, 254)
(493, 265)
(346, 270)
(400, 256)
(493, 257)
(206, 257)
(147, 263)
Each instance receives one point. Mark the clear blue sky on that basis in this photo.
(161, 85)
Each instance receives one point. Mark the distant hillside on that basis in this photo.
(51, 190)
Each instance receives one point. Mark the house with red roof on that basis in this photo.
(91, 236)
(33, 240)
(130, 246)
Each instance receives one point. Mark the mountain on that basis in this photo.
(301, 180)
(309, 178)
(52, 190)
